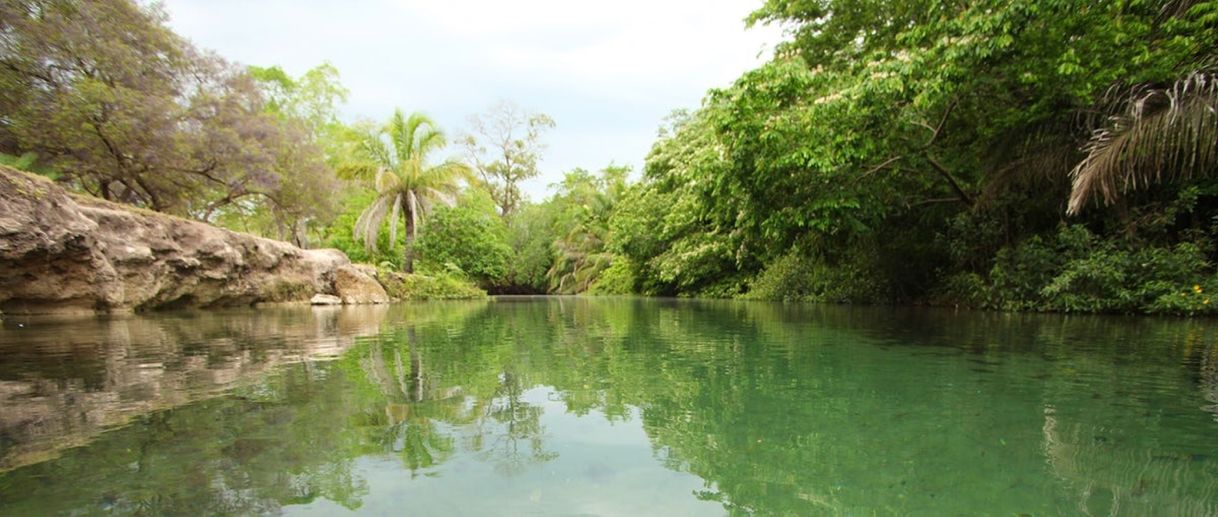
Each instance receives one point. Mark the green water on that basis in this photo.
(569, 406)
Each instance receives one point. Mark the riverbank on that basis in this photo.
(62, 252)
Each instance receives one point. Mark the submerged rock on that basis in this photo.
(61, 252)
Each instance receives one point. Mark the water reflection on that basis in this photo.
(567, 405)
(63, 381)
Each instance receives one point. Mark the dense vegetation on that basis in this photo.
(1019, 155)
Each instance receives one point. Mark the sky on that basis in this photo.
(606, 72)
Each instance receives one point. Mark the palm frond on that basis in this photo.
(388, 181)
(405, 185)
(1159, 135)
(368, 225)
(449, 199)
(400, 135)
(425, 204)
(372, 148)
(429, 140)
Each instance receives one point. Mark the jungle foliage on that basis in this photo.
(1016, 155)
(1025, 155)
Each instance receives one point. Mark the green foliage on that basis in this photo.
(305, 202)
(582, 206)
(618, 278)
(437, 286)
(920, 151)
(28, 162)
(470, 236)
(531, 235)
(313, 97)
(666, 225)
(890, 151)
(794, 277)
(1078, 271)
(107, 95)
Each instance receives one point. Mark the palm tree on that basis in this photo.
(1156, 134)
(580, 255)
(406, 186)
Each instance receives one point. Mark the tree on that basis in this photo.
(313, 97)
(504, 147)
(307, 110)
(584, 203)
(470, 236)
(105, 93)
(406, 185)
(893, 141)
(531, 235)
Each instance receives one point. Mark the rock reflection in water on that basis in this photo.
(62, 381)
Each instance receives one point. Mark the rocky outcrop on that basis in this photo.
(354, 285)
(61, 252)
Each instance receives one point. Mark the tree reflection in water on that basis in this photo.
(778, 409)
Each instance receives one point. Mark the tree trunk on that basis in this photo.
(408, 256)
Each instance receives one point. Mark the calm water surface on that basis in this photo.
(608, 407)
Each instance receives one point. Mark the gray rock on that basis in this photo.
(62, 252)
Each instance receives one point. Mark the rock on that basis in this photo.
(325, 299)
(62, 252)
(367, 269)
(355, 286)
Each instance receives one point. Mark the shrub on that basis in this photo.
(1076, 271)
(618, 278)
(404, 286)
(471, 237)
(795, 277)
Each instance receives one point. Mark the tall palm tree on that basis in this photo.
(406, 186)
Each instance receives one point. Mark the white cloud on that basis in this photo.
(607, 72)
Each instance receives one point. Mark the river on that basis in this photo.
(608, 406)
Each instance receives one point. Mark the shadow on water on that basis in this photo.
(748, 407)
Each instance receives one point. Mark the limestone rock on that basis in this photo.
(61, 252)
(355, 286)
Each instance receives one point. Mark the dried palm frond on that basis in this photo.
(369, 222)
(1175, 9)
(1160, 134)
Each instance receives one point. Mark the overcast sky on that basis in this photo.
(607, 72)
